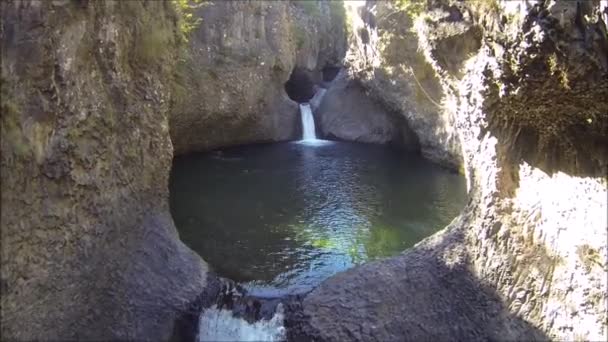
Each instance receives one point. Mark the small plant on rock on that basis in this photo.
(186, 20)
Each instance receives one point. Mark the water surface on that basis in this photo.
(281, 218)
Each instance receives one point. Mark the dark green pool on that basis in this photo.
(281, 218)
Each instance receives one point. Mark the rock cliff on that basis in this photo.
(387, 61)
(89, 249)
(524, 87)
(96, 94)
(231, 83)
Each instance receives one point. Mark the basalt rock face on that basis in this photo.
(534, 127)
(89, 249)
(528, 104)
(427, 294)
(387, 62)
(231, 83)
(346, 112)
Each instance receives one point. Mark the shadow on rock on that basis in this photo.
(225, 294)
(427, 293)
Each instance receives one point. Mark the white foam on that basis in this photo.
(220, 325)
(308, 123)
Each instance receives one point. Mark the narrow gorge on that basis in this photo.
(313, 170)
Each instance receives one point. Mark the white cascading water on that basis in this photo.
(308, 122)
(220, 325)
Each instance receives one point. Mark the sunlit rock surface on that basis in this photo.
(525, 94)
(394, 72)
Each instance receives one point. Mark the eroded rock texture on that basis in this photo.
(346, 112)
(527, 101)
(513, 92)
(385, 57)
(89, 249)
(231, 83)
(427, 294)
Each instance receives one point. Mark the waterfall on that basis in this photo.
(220, 325)
(308, 122)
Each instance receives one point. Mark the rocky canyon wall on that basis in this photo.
(531, 112)
(386, 60)
(89, 249)
(231, 83)
(95, 95)
(347, 112)
(522, 86)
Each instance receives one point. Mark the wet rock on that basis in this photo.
(315, 102)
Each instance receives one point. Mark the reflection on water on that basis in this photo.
(281, 218)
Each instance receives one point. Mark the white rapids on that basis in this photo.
(219, 325)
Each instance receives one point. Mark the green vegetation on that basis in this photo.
(323, 243)
(153, 43)
(378, 242)
(186, 20)
(415, 8)
(589, 257)
(384, 241)
(187, 23)
(556, 68)
(151, 38)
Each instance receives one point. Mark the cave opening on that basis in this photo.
(300, 87)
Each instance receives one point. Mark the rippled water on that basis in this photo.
(281, 218)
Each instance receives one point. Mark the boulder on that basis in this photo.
(346, 112)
